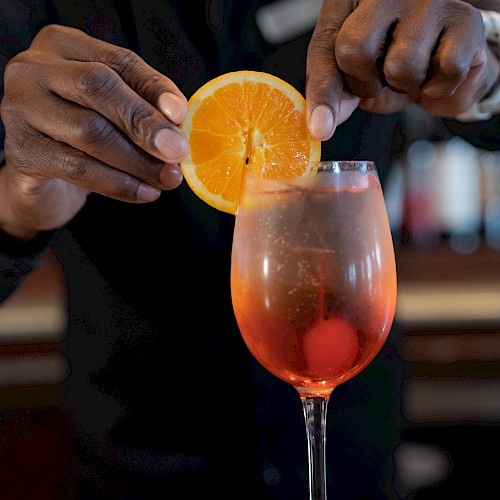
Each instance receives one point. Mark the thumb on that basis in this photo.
(324, 81)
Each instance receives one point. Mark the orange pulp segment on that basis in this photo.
(244, 117)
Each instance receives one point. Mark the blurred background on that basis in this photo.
(446, 231)
(443, 200)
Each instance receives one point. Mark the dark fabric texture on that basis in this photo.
(484, 135)
(18, 259)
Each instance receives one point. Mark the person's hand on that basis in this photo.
(385, 55)
(82, 115)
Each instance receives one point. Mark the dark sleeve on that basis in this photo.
(484, 135)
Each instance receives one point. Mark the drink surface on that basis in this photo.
(313, 277)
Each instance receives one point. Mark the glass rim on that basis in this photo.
(314, 166)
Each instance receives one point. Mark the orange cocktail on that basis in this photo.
(313, 277)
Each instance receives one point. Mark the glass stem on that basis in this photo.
(315, 408)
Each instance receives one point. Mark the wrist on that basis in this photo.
(490, 105)
(7, 215)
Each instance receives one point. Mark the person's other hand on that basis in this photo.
(82, 115)
(384, 55)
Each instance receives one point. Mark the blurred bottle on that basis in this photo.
(420, 212)
(458, 194)
(490, 164)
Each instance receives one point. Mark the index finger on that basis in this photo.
(324, 81)
(142, 78)
(118, 84)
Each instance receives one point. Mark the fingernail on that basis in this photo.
(321, 123)
(171, 144)
(173, 107)
(145, 192)
(171, 176)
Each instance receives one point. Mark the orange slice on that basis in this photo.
(244, 117)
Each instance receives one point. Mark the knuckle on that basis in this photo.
(14, 153)
(23, 146)
(451, 69)
(48, 34)
(18, 68)
(98, 81)
(94, 130)
(323, 40)
(50, 31)
(144, 81)
(404, 71)
(121, 59)
(139, 118)
(77, 168)
(152, 87)
(128, 189)
(355, 54)
(7, 109)
(14, 66)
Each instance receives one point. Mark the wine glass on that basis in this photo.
(313, 282)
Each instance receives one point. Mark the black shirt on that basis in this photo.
(164, 397)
